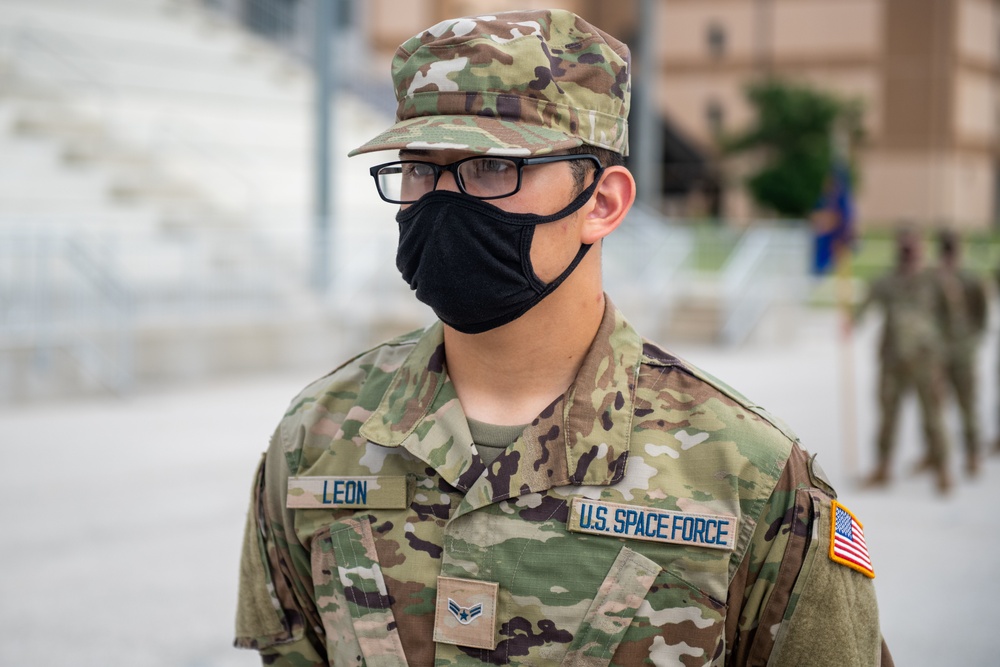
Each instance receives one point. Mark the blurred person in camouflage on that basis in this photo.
(965, 294)
(528, 481)
(911, 355)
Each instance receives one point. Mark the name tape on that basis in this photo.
(388, 492)
(598, 517)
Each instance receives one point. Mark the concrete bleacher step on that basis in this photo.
(56, 124)
(27, 376)
(697, 319)
(160, 44)
(218, 106)
(80, 152)
(33, 174)
(12, 85)
(191, 140)
(63, 158)
(148, 187)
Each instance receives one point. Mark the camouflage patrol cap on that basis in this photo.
(512, 83)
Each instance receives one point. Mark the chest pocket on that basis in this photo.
(617, 601)
(643, 613)
(677, 624)
(350, 588)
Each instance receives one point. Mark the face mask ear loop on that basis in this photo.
(528, 234)
(527, 269)
(513, 315)
(584, 247)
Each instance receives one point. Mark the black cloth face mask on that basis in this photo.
(471, 261)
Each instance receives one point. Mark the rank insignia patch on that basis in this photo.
(466, 612)
(847, 541)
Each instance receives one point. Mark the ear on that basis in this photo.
(611, 201)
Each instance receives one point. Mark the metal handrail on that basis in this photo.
(645, 260)
(755, 277)
(87, 295)
(67, 297)
(114, 361)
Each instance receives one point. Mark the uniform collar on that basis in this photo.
(581, 438)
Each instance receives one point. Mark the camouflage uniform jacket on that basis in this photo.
(373, 515)
(967, 308)
(915, 309)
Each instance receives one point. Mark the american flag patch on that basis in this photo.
(847, 541)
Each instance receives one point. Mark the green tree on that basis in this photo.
(792, 130)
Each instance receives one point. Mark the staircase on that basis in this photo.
(175, 148)
(678, 281)
(155, 216)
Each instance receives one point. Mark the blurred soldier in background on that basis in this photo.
(996, 444)
(911, 355)
(965, 294)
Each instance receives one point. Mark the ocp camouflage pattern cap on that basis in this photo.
(512, 83)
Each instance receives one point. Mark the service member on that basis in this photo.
(965, 294)
(528, 481)
(911, 356)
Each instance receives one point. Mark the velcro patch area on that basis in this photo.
(598, 517)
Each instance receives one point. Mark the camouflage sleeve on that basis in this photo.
(946, 310)
(978, 299)
(275, 614)
(872, 294)
(798, 606)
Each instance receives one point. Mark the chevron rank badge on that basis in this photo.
(466, 612)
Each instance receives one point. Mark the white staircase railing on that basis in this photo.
(645, 261)
(652, 263)
(61, 292)
(768, 265)
(86, 297)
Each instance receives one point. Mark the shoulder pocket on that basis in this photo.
(260, 620)
(643, 613)
(351, 593)
(832, 615)
(616, 603)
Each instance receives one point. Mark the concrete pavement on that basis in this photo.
(122, 518)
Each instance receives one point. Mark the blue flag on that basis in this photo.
(833, 219)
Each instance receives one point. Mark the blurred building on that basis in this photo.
(926, 71)
(157, 169)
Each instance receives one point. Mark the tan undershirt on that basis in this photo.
(492, 439)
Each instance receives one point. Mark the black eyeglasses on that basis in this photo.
(481, 176)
